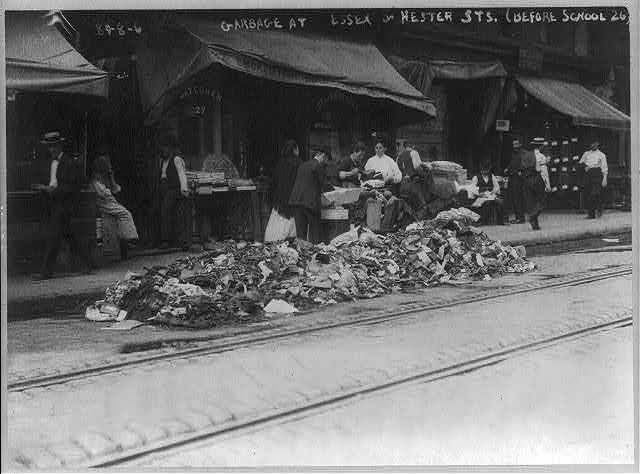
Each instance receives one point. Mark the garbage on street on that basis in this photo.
(238, 282)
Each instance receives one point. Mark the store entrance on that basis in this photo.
(465, 108)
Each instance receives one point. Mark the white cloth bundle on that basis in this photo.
(279, 228)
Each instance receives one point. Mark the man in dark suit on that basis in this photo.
(306, 197)
(61, 197)
(515, 189)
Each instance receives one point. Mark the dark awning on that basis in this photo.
(422, 73)
(298, 58)
(574, 100)
(39, 58)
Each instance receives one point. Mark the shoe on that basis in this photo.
(591, 216)
(164, 246)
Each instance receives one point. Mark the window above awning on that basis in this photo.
(39, 59)
(574, 100)
(297, 58)
(422, 73)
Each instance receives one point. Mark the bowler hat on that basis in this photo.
(51, 138)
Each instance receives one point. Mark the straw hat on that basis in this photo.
(51, 138)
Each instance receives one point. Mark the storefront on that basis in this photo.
(570, 117)
(467, 95)
(50, 86)
(240, 94)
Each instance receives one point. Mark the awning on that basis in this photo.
(422, 73)
(39, 58)
(574, 100)
(299, 58)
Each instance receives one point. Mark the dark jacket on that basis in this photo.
(307, 190)
(284, 177)
(69, 177)
(405, 163)
(529, 161)
(515, 165)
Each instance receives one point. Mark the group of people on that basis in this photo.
(297, 190)
(297, 195)
(62, 192)
(529, 180)
(298, 185)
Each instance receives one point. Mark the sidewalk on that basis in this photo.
(67, 293)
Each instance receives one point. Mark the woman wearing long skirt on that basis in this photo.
(105, 187)
(281, 224)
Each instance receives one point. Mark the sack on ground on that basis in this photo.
(279, 227)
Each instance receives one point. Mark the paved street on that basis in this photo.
(571, 403)
(87, 419)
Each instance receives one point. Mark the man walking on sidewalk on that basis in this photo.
(61, 198)
(536, 181)
(596, 170)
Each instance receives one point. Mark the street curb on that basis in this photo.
(572, 237)
(49, 306)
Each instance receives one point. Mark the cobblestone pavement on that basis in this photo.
(86, 419)
(571, 403)
(41, 345)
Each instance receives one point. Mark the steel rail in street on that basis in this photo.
(208, 435)
(125, 361)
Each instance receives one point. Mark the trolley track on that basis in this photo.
(211, 434)
(133, 360)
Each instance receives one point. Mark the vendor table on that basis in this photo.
(235, 212)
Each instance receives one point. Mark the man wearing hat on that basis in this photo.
(596, 170)
(306, 196)
(536, 180)
(65, 181)
(515, 191)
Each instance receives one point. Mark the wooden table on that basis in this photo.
(241, 216)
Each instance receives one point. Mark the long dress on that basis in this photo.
(281, 223)
(107, 204)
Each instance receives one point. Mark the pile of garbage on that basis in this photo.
(241, 282)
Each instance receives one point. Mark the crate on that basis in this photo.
(331, 228)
